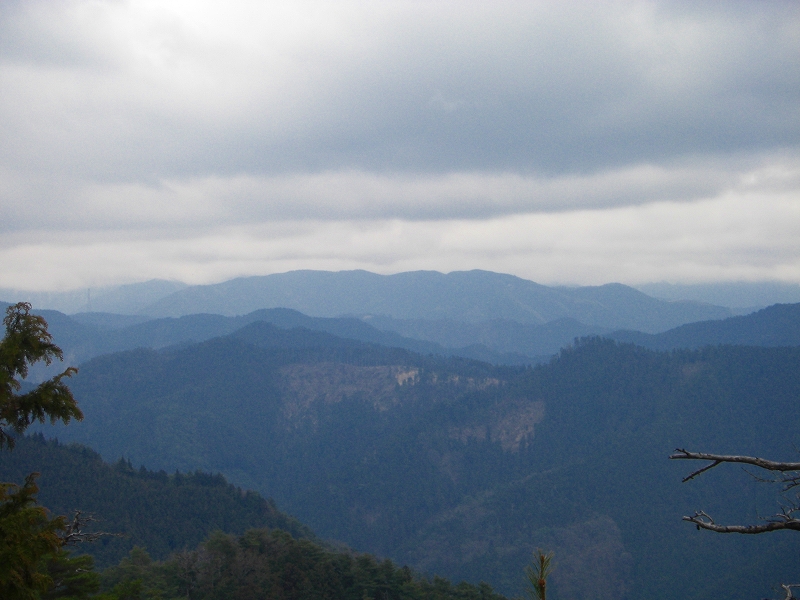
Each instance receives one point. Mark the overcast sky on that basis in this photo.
(563, 142)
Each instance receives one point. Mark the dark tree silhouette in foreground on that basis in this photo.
(33, 560)
(26, 342)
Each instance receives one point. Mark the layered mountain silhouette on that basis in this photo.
(499, 341)
(777, 325)
(467, 296)
(86, 335)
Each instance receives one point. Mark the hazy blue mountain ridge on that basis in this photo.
(777, 325)
(131, 298)
(120, 299)
(84, 336)
(459, 467)
(468, 296)
(108, 321)
(741, 296)
(498, 335)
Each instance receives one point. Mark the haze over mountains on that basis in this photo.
(471, 304)
(740, 296)
(469, 296)
(137, 297)
(774, 326)
(86, 335)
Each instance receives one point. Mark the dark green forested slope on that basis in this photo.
(601, 493)
(462, 469)
(181, 520)
(273, 564)
(161, 512)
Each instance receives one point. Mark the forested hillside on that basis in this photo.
(161, 512)
(460, 468)
(195, 532)
(274, 565)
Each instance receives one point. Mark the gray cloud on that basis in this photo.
(200, 140)
(215, 201)
(737, 238)
(128, 91)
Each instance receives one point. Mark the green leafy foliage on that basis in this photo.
(27, 538)
(73, 577)
(32, 561)
(272, 564)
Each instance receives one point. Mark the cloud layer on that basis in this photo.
(173, 139)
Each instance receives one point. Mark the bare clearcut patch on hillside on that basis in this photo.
(305, 384)
(468, 382)
(512, 425)
(693, 369)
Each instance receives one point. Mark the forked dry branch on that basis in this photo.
(74, 531)
(789, 477)
(787, 518)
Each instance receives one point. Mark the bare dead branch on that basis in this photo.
(783, 520)
(788, 479)
(769, 465)
(74, 531)
(694, 474)
(786, 519)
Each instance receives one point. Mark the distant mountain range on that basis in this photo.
(511, 338)
(741, 296)
(86, 335)
(123, 299)
(466, 296)
(370, 419)
(462, 296)
(136, 298)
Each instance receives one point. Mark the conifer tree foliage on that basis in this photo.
(26, 537)
(30, 541)
(264, 563)
(26, 342)
(536, 575)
